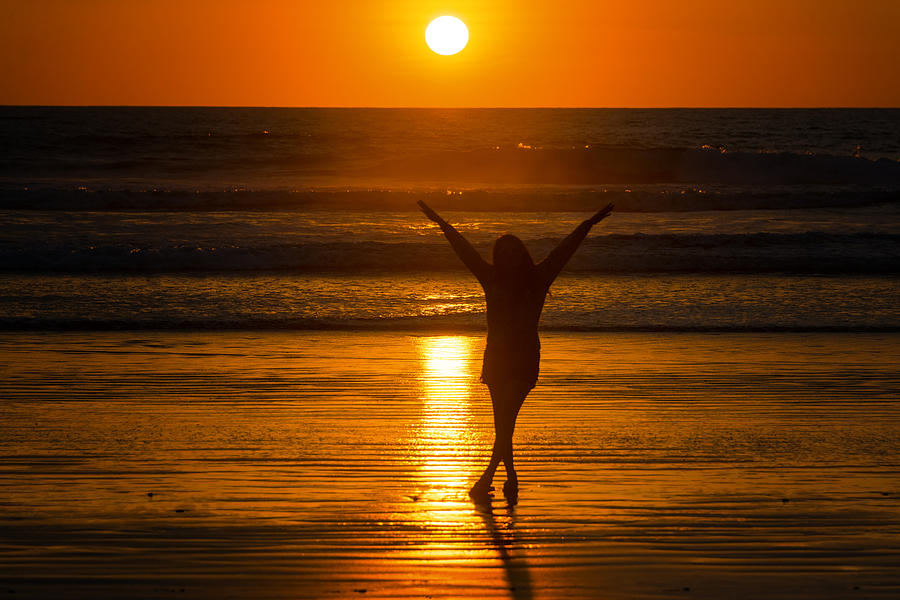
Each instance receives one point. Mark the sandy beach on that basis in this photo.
(336, 464)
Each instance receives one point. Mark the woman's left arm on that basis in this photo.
(464, 250)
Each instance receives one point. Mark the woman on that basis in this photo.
(515, 289)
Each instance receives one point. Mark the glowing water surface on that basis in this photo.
(319, 464)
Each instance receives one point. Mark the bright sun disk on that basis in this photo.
(446, 35)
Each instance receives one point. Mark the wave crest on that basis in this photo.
(623, 165)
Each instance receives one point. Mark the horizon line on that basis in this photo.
(485, 107)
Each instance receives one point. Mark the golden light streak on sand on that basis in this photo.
(446, 520)
(445, 423)
(455, 531)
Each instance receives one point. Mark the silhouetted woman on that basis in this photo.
(515, 289)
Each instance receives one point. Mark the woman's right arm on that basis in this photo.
(550, 267)
(464, 250)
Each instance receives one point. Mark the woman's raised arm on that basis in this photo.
(550, 267)
(464, 250)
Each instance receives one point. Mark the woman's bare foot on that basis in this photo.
(511, 490)
(481, 490)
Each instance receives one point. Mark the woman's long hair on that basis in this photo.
(513, 263)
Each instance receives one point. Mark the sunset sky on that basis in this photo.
(595, 53)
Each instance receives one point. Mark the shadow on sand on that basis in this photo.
(501, 527)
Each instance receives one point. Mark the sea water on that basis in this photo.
(220, 218)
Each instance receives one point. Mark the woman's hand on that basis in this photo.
(601, 214)
(429, 212)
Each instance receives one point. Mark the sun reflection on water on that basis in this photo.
(445, 427)
(443, 446)
(443, 449)
(453, 530)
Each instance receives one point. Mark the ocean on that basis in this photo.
(248, 218)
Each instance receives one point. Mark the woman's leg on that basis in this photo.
(483, 485)
(509, 411)
(507, 399)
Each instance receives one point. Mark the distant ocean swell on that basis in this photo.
(647, 198)
(605, 165)
(810, 252)
(264, 157)
(611, 165)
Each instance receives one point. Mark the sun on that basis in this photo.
(446, 35)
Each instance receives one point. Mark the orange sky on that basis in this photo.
(521, 53)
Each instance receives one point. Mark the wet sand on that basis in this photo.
(335, 465)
